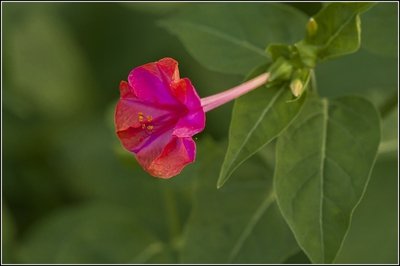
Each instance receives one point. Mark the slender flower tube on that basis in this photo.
(216, 100)
(158, 113)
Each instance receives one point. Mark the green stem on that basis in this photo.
(313, 82)
(171, 213)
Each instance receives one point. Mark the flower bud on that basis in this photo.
(312, 27)
(297, 87)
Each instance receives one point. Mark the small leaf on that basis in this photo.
(257, 118)
(230, 38)
(337, 30)
(323, 164)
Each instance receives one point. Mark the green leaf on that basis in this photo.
(231, 38)
(257, 118)
(323, 164)
(373, 234)
(380, 30)
(337, 30)
(239, 223)
(92, 233)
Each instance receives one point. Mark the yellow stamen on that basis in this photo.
(150, 128)
(149, 118)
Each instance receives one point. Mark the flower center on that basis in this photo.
(145, 122)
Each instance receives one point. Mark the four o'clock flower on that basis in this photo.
(158, 113)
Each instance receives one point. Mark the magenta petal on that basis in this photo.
(194, 121)
(138, 123)
(184, 91)
(169, 67)
(128, 110)
(153, 148)
(175, 156)
(133, 138)
(151, 82)
(190, 124)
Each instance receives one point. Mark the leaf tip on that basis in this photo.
(221, 182)
(223, 177)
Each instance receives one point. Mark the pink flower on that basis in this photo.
(158, 113)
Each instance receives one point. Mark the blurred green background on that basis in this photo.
(71, 194)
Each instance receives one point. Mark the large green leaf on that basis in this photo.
(337, 30)
(323, 164)
(231, 38)
(239, 223)
(257, 118)
(93, 233)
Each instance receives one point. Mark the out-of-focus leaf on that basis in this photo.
(93, 233)
(258, 117)
(389, 143)
(46, 67)
(387, 104)
(7, 236)
(373, 234)
(323, 164)
(92, 170)
(239, 223)
(298, 258)
(231, 38)
(153, 8)
(368, 72)
(310, 8)
(337, 29)
(380, 29)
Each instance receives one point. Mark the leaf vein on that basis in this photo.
(307, 119)
(219, 34)
(351, 110)
(256, 124)
(354, 138)
(343, 170)
(251, 224)
(322, 170)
